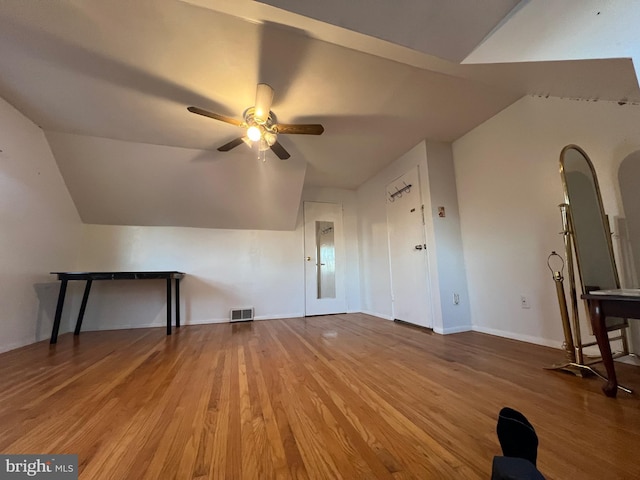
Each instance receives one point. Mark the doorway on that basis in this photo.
(408, 251)
(325, 259)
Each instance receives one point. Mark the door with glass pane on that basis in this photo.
(324, 259)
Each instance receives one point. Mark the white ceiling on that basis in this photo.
(109, 83)
(448, 29)
(566, 30)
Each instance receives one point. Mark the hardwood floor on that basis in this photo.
(344, 396)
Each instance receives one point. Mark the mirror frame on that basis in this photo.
(603, 217)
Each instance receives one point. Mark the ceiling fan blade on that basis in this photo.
(264, 98)
(232, 144)
(215, 116)
(300, 129)
(280, 151)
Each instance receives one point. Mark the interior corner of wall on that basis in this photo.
(436, 308)
(635, 59)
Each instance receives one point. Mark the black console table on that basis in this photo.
(89, 277)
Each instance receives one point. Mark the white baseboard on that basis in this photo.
(517, 336)
(20, 343)
(375, 314)
(23, 342)
(103, 328)
(442, 331)
(279, 317)
(204, 321)
(447, 331)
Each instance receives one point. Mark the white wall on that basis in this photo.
(448, 238)
(509, 188)
(41, 231)
(225, 269)
(444, 249)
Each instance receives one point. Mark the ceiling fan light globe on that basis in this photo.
(254, 133)
(263, 146)
(270, 138)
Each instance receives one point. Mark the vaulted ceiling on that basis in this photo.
(109, 83)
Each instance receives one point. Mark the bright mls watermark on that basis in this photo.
(50, 467)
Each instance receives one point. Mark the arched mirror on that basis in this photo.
(628, 176)
(588, 224)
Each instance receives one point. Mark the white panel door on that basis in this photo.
(408, 251)
(324, 259)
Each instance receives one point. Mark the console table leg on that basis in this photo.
(168, 306)
(83, 306)
(56, 321)
(600, 331)
(177, 302)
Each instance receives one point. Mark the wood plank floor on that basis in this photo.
(343, 396)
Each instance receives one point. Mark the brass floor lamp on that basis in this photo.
(574, 355)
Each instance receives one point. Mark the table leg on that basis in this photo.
(177, 302)
(56, 321)
(600, 331)
(168, 306)
(83, 306)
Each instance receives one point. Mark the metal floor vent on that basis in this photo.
(242, 314)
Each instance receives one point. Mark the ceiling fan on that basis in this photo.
(261, 124)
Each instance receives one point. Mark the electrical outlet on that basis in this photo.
(524, 302)
(456, 298)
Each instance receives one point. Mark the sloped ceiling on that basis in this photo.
(448, 29)
(109, 83)
(566, 30)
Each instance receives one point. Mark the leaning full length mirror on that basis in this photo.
(589, 225)
(628, 176)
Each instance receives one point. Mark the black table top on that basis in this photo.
(628, 295)
(119, 275)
